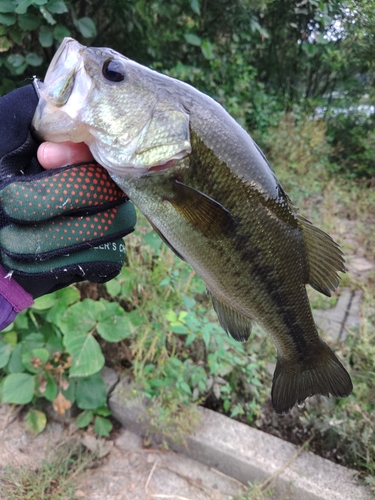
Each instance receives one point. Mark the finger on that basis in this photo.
(54, 155)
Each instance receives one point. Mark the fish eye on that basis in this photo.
(113, 71)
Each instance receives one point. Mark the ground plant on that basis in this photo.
(54, 480)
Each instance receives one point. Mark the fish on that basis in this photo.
(210, 193)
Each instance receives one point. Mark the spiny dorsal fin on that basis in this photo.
(324, 257)
(202, 212)
(293, 383)
(234, 323)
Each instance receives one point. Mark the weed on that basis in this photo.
(53, 480)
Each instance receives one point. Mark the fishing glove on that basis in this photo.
(57, 227)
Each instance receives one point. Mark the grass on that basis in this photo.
(53, 480)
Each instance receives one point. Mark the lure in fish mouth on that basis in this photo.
(77, 78)
(209, 192)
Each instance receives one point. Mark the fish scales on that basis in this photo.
(209, 192)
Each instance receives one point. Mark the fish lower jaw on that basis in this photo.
(134, 171)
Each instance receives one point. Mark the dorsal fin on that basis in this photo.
(324, 256)
(234, 323)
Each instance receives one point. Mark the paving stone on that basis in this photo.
(359, 265)
(110, 377)
(337, 321)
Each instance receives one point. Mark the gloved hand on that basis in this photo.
(57, 227)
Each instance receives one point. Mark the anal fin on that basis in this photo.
(234, 323)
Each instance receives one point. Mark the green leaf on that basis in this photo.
(47, 301)
(86, 27)
(185, 387)
(207, 49)
(54, 343)
(10, 337)
(70, 392)
(18, 388)
(60, 32)
(113, 287)
(190, 339)
(194, 4)
(64, 298)
(35, 359)
(7, 6)
(226, 405)
(22, 6)
(32, 341)
(102, 426)
(113, 325)
(91, 392)
(29, 22)
(33, 59)
(171, 316)
(81, 317)
(36, 421)
(17, 36)
(84, 419)
(87, 355)
(136, 318)
(5, 352)
(16, 60)
(7, 19)
(15, 362)
(21, 322)
(193, 39)
(57, 7)
(51, 389)
(104, 411)
(47, 16)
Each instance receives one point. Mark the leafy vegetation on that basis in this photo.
(294, 75)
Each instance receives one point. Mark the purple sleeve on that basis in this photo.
(7, 313)
(13, 298)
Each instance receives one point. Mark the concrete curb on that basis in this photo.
(247, 454)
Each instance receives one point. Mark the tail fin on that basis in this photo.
(294, 383)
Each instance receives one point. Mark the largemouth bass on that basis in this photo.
(211, 195)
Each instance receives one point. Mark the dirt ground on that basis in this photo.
(127, 471)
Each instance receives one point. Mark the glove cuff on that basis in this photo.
(13, 292)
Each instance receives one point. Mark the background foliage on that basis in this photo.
(258, 58)
(299, 76)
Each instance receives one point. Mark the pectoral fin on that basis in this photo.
(237, 325)
(324, 257)
(202, 212)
